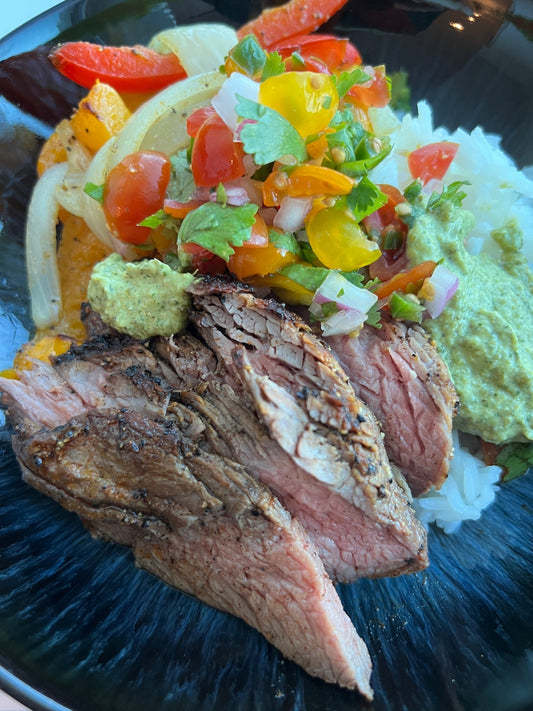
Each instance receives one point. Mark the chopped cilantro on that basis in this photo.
(347, 80)
(216, 227)
(269, 135)
(452, 193)
(515, 458)
(365, 198)
(153, 221)
(274, 65)
(94, 191)
(181, 185)
(284, 241)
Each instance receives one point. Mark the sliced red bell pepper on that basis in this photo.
(126, 69)
(294, 18)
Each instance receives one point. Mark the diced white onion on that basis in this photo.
(200, 48)
(438, 289)
(41, 247)
(292, 213)
(225, 101)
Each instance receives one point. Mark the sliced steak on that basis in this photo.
(399, 373)
(201, 523)
(319, 448)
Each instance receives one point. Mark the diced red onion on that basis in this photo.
(225, 101)
(438, 289)
(292, 213)
(353, 304)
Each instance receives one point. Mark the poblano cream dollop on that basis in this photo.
(485, 333)
(143, 299)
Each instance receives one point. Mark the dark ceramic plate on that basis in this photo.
(80, 626)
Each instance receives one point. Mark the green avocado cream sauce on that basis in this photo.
(143, 299)
(485, 333)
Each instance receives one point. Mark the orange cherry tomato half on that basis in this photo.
(216, 157)
(135, 189)
(432, 161)
(258, 260)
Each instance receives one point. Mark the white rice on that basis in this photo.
(499, 196)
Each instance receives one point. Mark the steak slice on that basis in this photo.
(399, 373)
(201, 523)
(319, 448)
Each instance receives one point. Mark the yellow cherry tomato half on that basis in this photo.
(308, 100)
(259, 261)
(338, 241)
(305, 181)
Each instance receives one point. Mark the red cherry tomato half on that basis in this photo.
(198, 118)
(432, 161)
(135, 189)
(216, 158)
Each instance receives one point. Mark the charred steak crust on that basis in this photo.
(203, 524)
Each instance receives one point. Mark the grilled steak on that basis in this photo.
(400, 375)
(201, 523)
(319, 448)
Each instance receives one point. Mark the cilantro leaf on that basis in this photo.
(269, 136)
(347, 80)
(94, 191)
(365, 198)
(400, 92)
(273, 66)
(515, 458)
(153, 221)
(181, 185)
(452, 193)
(216, 227)
(285, 241)
(308, 277)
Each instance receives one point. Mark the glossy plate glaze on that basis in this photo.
(80, 626)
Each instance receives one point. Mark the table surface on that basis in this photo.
(13, 15)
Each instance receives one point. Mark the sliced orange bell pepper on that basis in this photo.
(99, 116)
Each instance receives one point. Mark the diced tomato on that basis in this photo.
(198, 118)
(174, 208)
(126, 69)
(336, 53)
(216, 157)
(432, 161)
(294, 18)
(135, 189)
(252, 260)
(204, 261)
(375, 92)
(404, 279)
